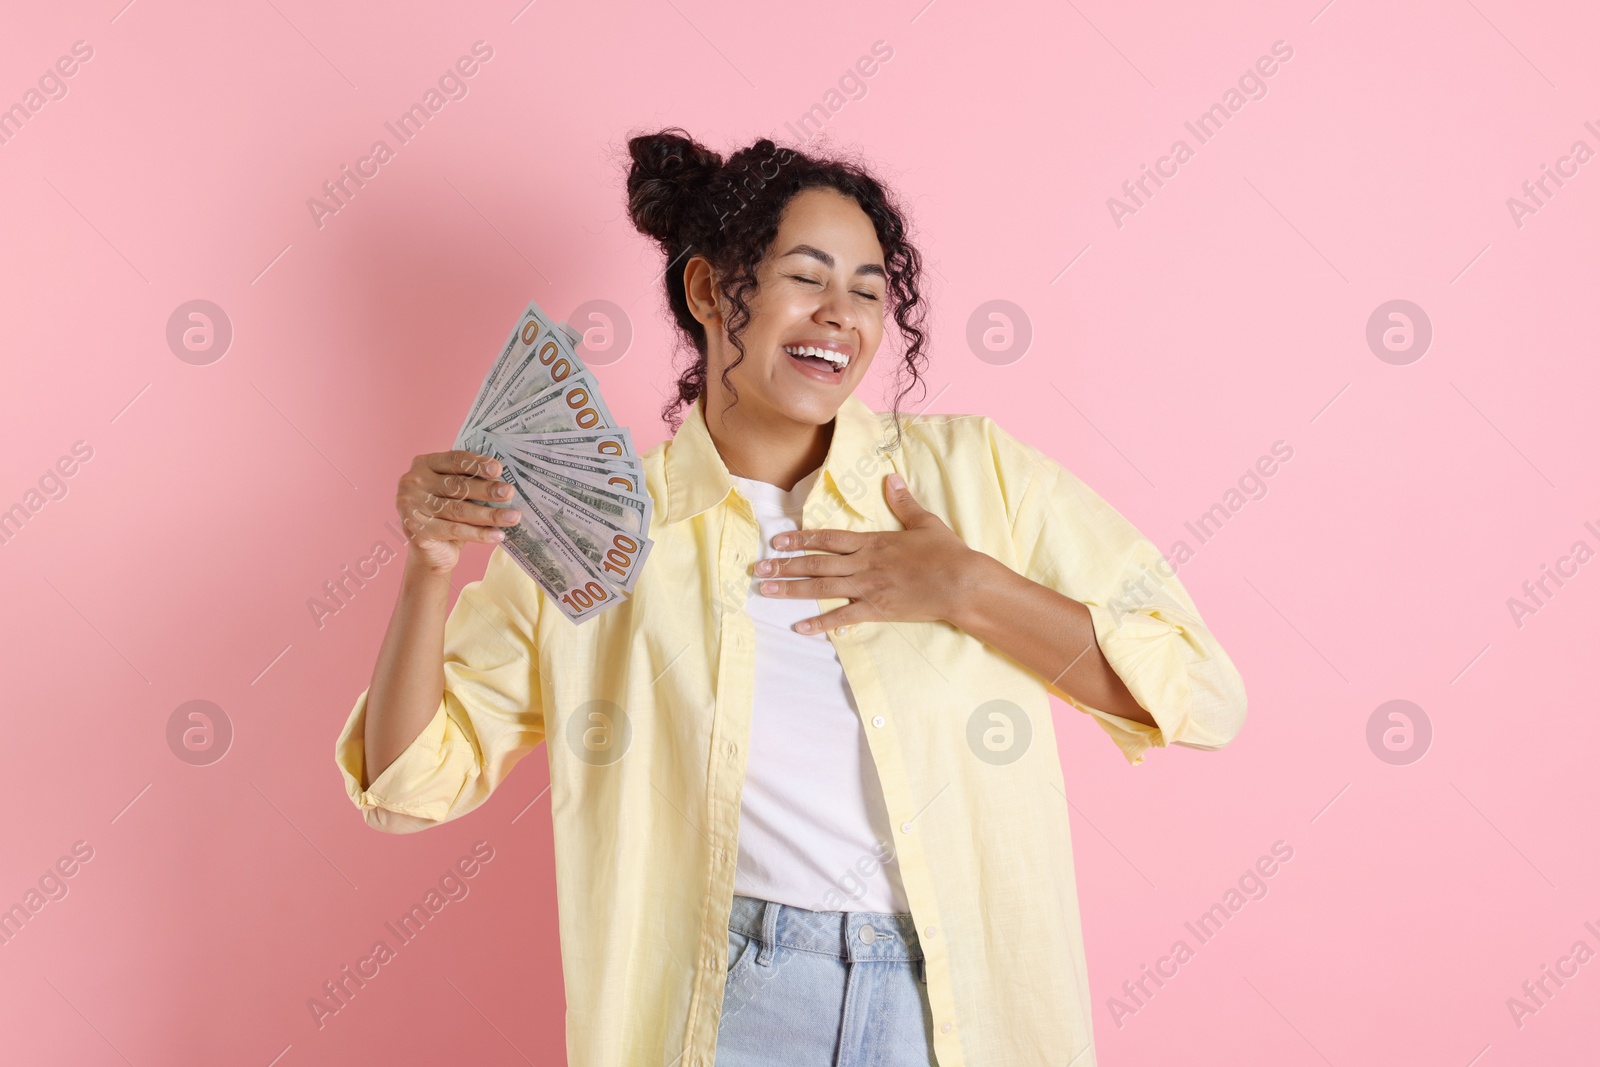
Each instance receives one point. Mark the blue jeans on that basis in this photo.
(823, 989)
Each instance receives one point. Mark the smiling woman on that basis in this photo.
(805, 782)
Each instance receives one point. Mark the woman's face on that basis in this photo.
(821, 288)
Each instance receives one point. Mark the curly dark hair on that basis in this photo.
(685, 197)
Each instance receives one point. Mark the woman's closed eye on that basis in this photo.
(859, 292)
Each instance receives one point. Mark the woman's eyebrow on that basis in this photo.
(827, 260)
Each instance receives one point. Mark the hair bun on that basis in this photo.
(667, 182)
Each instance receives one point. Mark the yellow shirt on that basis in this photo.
(647, 712)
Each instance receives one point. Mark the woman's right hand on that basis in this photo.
(435, 504)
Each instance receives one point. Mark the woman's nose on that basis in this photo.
(836, 311)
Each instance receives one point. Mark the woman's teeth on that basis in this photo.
(838, 359)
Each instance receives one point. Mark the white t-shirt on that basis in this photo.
(814, 831)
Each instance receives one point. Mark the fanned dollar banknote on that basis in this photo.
(575, 478)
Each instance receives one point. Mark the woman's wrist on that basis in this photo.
(979, 583)
(421, 573)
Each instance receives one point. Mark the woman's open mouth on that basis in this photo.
(818, 362)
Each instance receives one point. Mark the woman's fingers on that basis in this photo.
(460, 487)
(477, 514)
(459, 461)
(434, 501)
(464, 476)
(436, 494)
(457, 475)
(828, 540)
(848, 615)
(445, 530)
(816, 588)
(807, 566)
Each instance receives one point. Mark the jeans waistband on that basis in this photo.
(851, 935)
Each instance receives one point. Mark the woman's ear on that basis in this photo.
(700, 289)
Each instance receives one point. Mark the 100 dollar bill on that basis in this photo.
(616, 552)
(520, 372)
(620, 475)
(548, 555)
(567, 406)
(600, 444)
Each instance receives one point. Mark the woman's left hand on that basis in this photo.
(919, 574)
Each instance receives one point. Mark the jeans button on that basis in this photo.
(869, 934)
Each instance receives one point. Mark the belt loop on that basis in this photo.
(769, 931)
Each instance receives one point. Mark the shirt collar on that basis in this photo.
(697, 478)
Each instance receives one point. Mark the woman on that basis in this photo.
(805, 789)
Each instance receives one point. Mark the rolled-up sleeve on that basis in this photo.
(1067, 538)
(490, 716)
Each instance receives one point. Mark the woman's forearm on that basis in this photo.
(1050, 634)
(408, 681)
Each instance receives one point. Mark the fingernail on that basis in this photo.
(804, 627)
(896, 482)
(764, 567)
(499, 535)
(514, 516)
(769, 587)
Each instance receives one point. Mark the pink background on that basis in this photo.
(1228, 313)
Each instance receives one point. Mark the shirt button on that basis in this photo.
(877, 720)
(945, 1029)
(932, 930)
(905, 828)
